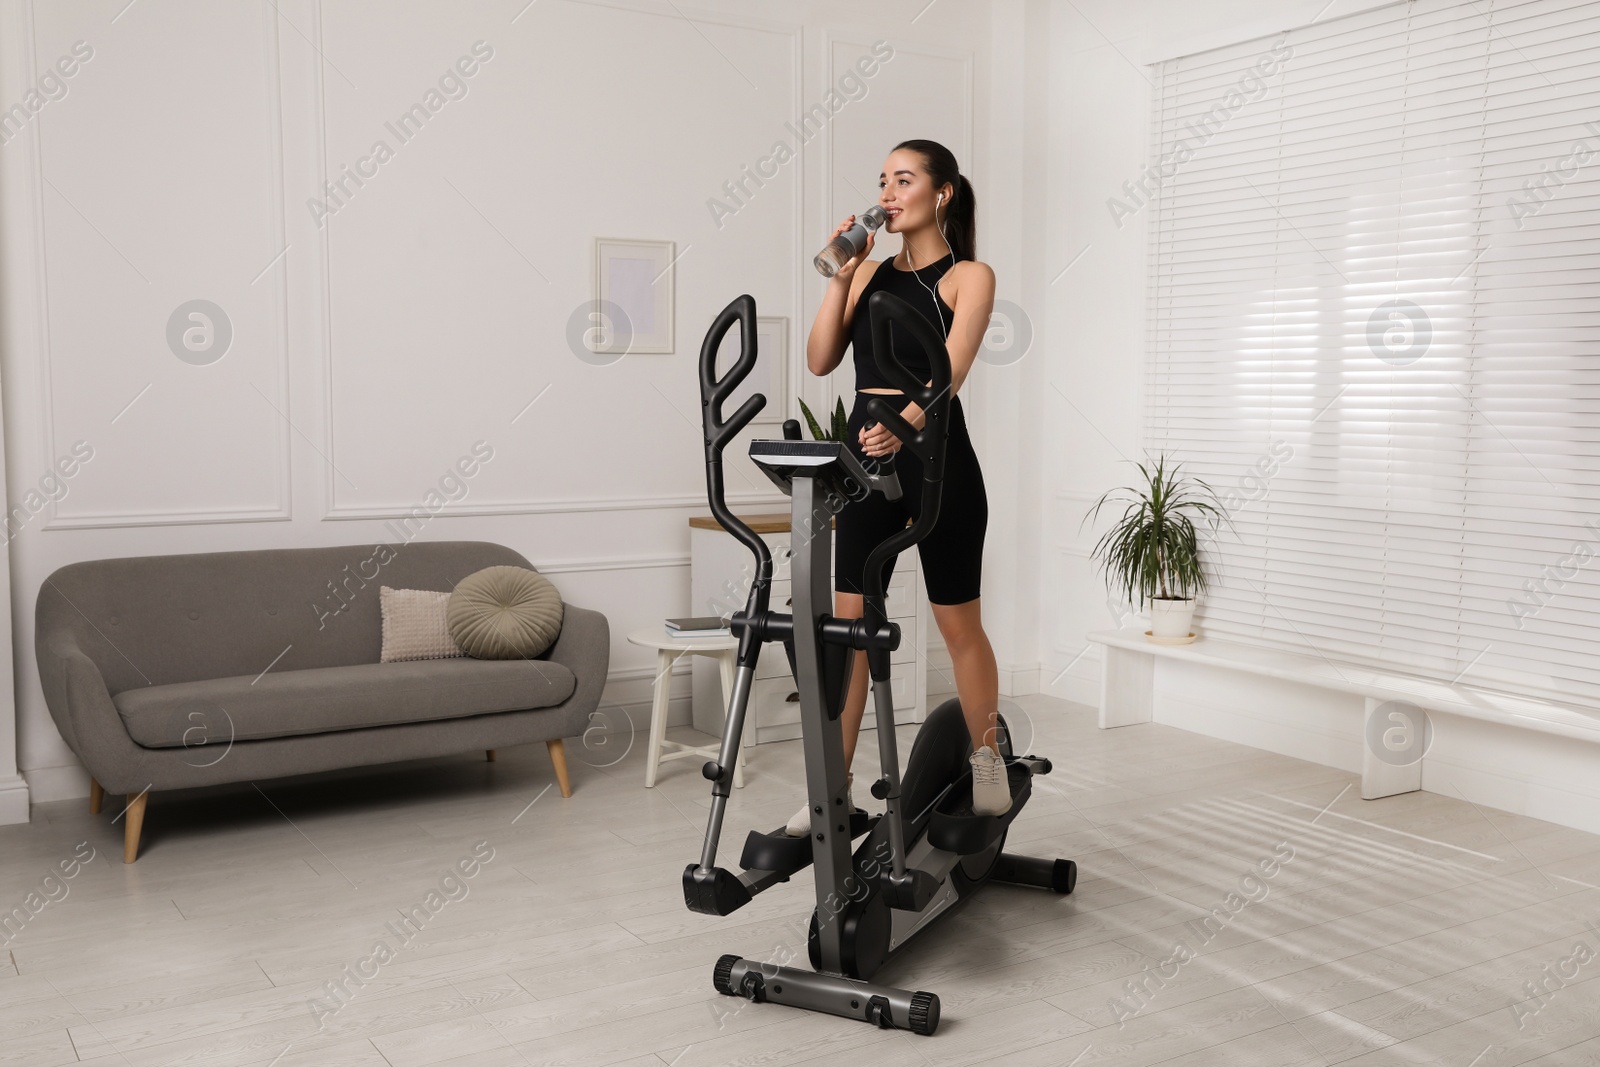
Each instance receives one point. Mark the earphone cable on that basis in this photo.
(932, 292)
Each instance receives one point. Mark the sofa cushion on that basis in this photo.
(416, 625)
(328, 699)
(505, 613)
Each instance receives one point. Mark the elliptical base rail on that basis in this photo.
(883, 1006)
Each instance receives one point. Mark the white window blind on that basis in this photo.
(1374, 328)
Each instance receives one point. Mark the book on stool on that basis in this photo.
(699, 626)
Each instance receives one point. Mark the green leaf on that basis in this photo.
(811, 421)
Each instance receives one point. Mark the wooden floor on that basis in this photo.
(1402, 931)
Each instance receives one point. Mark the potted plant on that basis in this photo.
(1152, 551)
(837, 432)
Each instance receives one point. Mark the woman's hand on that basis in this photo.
(844, 273)
(876, 440)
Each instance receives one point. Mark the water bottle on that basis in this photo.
(845, 247)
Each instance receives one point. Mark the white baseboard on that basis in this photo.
(1076, 691)
(1077, 681)
(1019, 679)
(57, 783)
(1563, 803)
(13, 800)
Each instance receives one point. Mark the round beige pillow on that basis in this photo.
(504, 613)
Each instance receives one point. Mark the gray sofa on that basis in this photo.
(168, 672)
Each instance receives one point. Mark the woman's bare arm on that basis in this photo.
(830, 330)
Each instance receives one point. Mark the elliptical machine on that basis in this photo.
(928, 850)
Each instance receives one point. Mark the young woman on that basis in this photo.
(930, 205)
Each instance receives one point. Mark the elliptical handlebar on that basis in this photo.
(933, 396)
(717, 431)
(927, 444)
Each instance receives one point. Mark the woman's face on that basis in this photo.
(906, 192)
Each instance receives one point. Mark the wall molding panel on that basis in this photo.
(688, 323)
(279, 508)
(612, 563)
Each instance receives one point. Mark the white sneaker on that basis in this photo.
(991, 792)
(800, 825)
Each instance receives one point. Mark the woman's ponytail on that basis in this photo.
(960, 214)
(962, 223)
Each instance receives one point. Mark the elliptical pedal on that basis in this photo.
(954, 828)
(784, 854)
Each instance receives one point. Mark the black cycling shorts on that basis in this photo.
(952, 555)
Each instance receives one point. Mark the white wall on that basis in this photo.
(433, 305)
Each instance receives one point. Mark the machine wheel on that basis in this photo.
(722, 977)
(866, 937)
(924, 1013)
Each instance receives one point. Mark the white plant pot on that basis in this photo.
(1171, 619)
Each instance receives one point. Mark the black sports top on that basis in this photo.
(912, 287)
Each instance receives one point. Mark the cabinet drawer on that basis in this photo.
(782, 590)
(770, 704)
(901, 595)
(783, 597)
(904, 687)
(900, 600)
(907, 652)
(779, 545)
(774, 663)
(906, 572)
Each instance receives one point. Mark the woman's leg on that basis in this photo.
(850, 606)
(977, 674)
(845, 606)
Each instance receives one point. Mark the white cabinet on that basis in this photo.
(720, 572)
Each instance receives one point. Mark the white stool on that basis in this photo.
(722, 649)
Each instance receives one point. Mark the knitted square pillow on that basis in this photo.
(415, 625)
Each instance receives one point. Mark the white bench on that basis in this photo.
(1127, 695)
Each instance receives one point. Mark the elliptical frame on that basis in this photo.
(871, 902)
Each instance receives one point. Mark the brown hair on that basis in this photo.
(960, 220)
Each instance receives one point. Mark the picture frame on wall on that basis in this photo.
(770, 377)
(633, 296)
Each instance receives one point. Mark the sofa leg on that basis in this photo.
(97, 796)
(133, 826)
(489, 754)
(558, 756)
